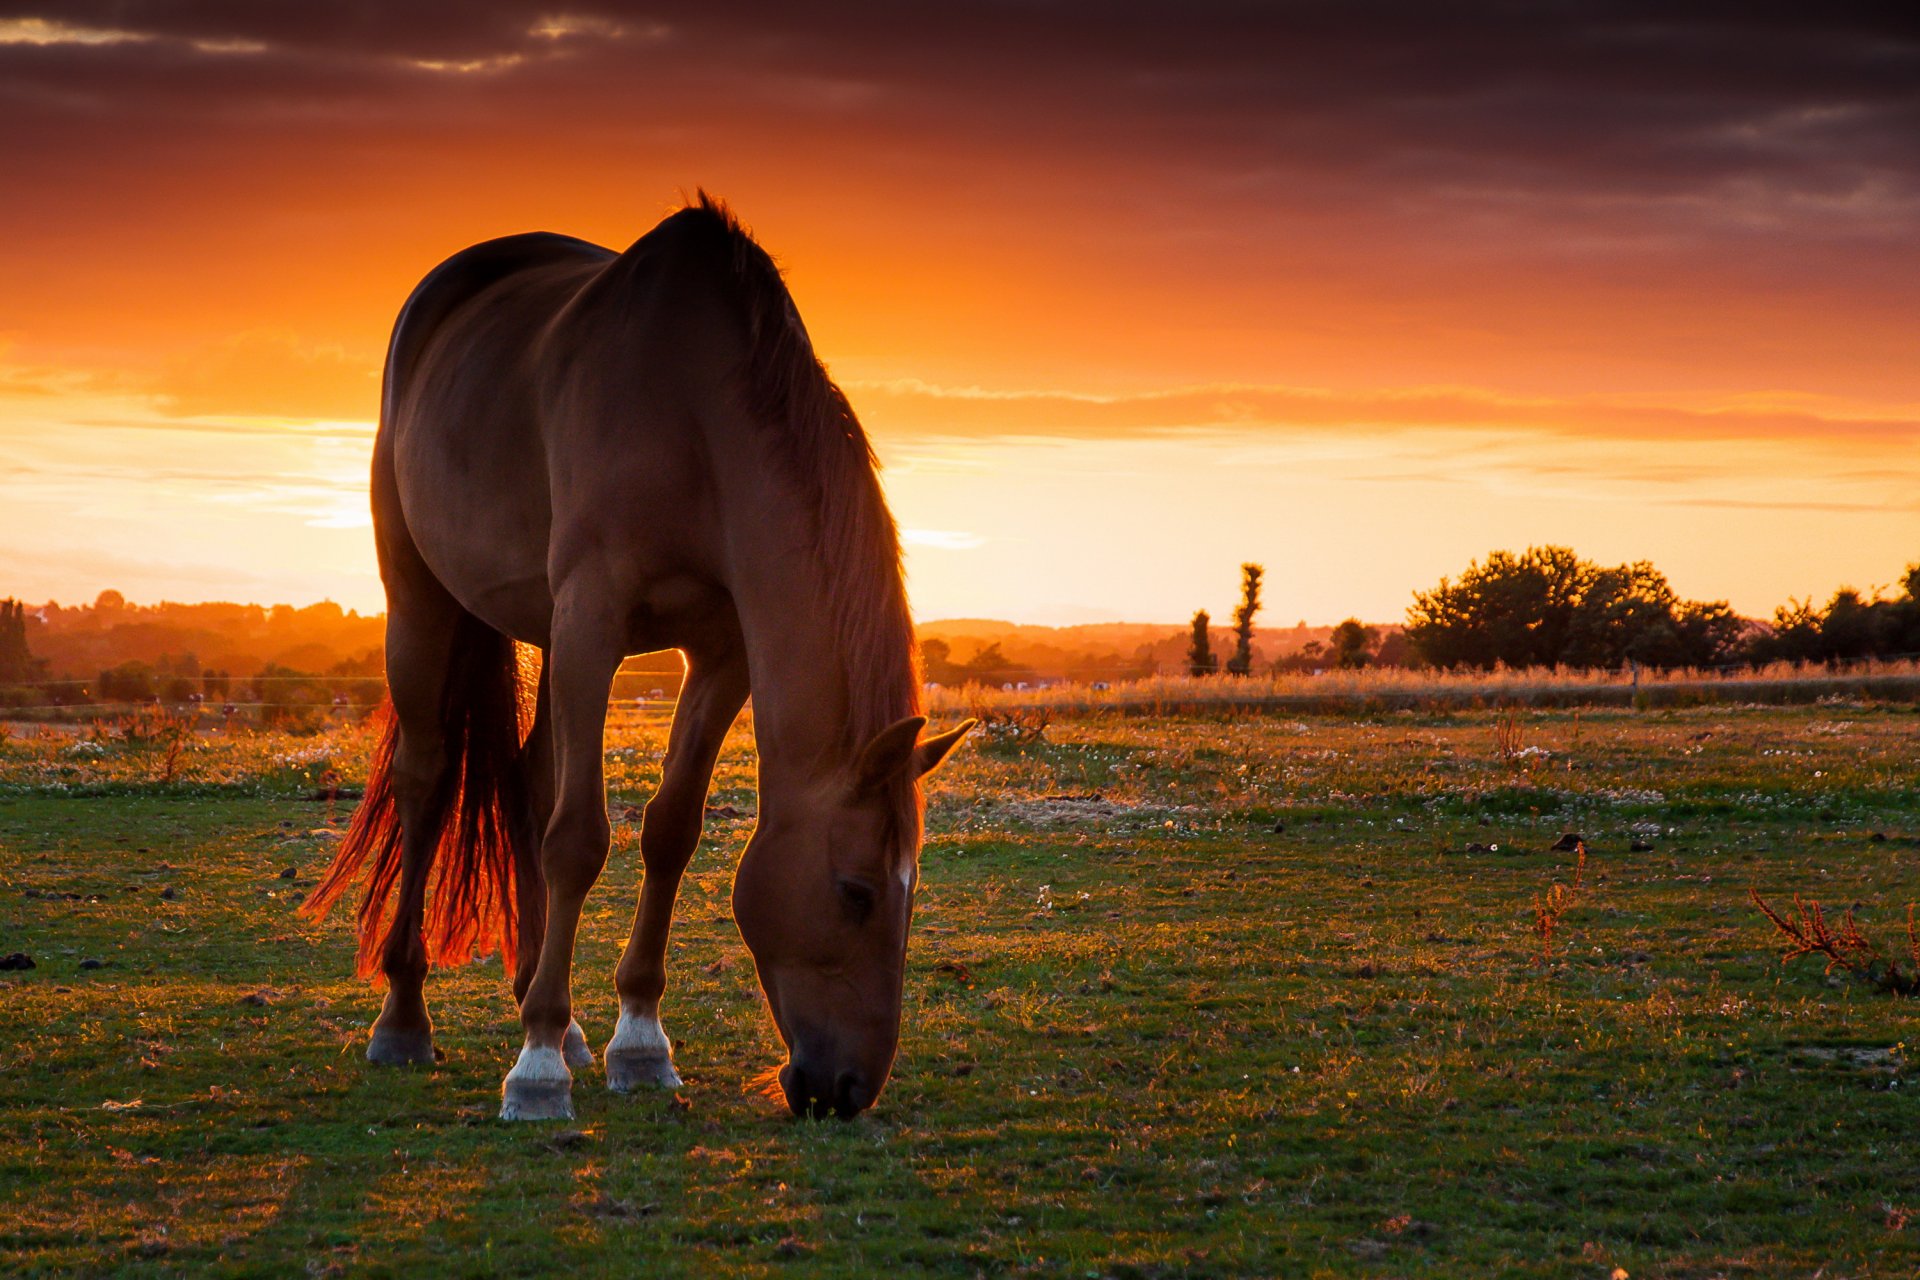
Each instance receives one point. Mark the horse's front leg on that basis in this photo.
(584, 655)
(640, 1053)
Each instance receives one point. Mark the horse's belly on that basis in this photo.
(475, 505)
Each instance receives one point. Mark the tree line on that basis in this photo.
(1548, 607)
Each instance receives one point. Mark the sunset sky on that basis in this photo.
(1126, 294)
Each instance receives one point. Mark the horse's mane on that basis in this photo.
(828, 455)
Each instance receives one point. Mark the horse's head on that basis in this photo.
(823, 897)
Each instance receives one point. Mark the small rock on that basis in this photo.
(1279, 828)
(260, 999)
(290, 873)
(91, 963)
(1474, 846)
(1878, 837)
(568, 1138)
(1640, 846)
(1567, 843)
(169, 893)
(16, 960)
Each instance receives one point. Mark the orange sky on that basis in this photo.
(1358, 292)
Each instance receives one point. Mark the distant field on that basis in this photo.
(1238, 994)
(1376, 690)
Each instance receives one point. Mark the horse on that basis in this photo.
(592, 455)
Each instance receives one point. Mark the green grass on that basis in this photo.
(1146, 1034)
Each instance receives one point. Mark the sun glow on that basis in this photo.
(1106, 351)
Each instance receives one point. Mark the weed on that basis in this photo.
(1012, 725)
(1549, 907)
(1848, 950)
(1507, 743)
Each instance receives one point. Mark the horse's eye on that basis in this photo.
(856, 898)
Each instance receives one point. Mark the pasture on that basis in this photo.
(1214, 995)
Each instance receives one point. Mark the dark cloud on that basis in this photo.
(1729, 103)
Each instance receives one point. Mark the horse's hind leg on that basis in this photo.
(421, 633)
(585, 653)
(640, 1053)
(532, 893)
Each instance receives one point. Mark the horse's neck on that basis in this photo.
(799, 679)
(784, 592)
(800, 701)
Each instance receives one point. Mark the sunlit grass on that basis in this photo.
(1235, 995)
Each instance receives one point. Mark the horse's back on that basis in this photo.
(464, 277)
(459, 429)
(548, 402)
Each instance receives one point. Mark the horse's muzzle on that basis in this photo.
(810, 1094)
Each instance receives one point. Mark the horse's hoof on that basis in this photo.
(574, 1048)
(640, 1056)
(392, 1047)
(537, 1100)
(538, 1088)
(628, 1070)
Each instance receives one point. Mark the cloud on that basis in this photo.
(1685, 112)
(943, 539)
(906, 408)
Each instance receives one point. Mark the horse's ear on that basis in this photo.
(931, 751)
(889, 754)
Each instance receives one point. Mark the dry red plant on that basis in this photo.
(1847, 949)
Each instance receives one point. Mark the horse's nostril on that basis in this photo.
(851, 1094)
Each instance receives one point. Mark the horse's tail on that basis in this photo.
(485, 859)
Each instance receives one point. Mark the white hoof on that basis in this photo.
(639, 1056)
(574, 1048)
(538, 1088)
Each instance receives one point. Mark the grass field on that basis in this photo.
(1203, 996)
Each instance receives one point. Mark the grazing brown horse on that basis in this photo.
(598, 455)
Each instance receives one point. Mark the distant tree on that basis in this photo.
(128, 682)
(109, 601)
(1241, 663)
(1850, 628)
(17, 663)
(1709, 634)
(989, 666)
(1394, 651)
(1548, 607)
(937, 664)
(1794, 635)
(1352, 644)
(1201, 659)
